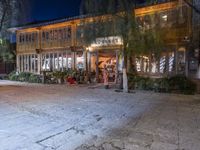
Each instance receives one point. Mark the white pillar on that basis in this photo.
(18, 63)
(39, 63)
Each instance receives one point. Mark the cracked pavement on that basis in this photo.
(61, 117)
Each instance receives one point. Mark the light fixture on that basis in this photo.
(164, 17)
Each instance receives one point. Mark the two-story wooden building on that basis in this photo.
(57, 45)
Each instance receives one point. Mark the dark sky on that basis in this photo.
(52, 9)
(43, 10)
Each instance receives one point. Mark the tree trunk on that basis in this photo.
(2, 20)
(125, 77)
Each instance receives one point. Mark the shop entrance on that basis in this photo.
(101, 58)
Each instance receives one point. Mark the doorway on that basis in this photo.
(101, 58)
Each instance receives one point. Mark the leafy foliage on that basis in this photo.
(7, 52)
(175, 84)
(10, 13)
(24, 77)
(117, 18)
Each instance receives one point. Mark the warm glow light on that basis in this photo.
(89, 49)
(164, 17)
(107, 41)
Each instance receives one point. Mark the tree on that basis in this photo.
(7, 51)
(10, 12)
(111, 18)
(117, 18)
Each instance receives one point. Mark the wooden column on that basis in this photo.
(67, 61)
(159, 59)
(117, 66)
(53, 62)
(28, 62)
(49, 61)
(73, 60)
(85, 60)
(89, 65)
(22, 63)
(34, 63)
(62, 62)
(150, 63)
(86, 66)
(44, 56)
(31, 65)
(142, 65)
(25, 63)
(167, 63)
(176, 60)
(58, 61)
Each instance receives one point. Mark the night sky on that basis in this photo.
(52, 9)
(42, 10)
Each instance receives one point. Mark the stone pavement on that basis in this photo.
(61, 117)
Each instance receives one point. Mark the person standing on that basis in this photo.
(105, 77)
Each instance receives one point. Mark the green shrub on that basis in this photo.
(24, 76)
(34, 79)
(13, 76)
(182, 84)
(149, 84)
(178, 84)
(59, 74)
(161, 85)
(139, 82)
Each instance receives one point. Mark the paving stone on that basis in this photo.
(61, 117)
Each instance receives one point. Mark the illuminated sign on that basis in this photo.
(107, 41)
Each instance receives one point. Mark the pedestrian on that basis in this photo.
(105, 77)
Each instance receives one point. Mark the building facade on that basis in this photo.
(58, 45)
